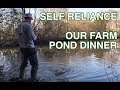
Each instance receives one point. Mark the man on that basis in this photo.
(26, 39)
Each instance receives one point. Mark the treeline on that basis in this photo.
(45, 30)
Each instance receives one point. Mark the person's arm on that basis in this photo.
(31, 33)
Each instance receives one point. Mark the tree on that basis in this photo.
(23, 13)
(100, 25)
(54, 29)
(11, 17)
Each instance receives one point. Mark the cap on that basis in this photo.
(29, 15)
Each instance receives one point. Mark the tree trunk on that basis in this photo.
(23, 13)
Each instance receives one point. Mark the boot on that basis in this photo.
(21, 76)
(33, 74)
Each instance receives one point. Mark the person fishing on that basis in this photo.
(26, 38)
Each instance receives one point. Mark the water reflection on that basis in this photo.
(65, 65)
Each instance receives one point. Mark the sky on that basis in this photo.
(91, 9)
(86, 9)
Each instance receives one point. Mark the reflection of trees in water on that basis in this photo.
(12, 55)
(54, 53)
(112, 56)
(89, 52)
(109, 55)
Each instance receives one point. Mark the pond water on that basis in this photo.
(65, 65)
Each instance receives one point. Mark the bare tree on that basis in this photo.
(23, 13)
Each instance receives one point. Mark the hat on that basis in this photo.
(28, 15)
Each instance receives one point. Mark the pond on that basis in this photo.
(87, 65)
